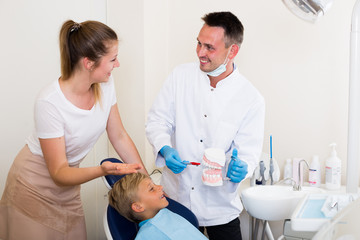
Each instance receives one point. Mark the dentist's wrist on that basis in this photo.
(164, 149)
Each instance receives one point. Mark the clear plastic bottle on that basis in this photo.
(315, 172)
(333, 170)
(288, 171)
(297, 169)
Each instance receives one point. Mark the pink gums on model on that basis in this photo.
(213, 162)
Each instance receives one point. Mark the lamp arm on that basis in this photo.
(353, 156)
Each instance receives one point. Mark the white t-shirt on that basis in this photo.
(55, 116)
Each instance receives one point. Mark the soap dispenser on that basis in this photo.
(333, 170)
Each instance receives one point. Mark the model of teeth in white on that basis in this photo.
(213, 162)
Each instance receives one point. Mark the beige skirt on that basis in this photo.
(34, 207)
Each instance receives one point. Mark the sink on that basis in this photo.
(274, 202)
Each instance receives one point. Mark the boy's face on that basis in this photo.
(151, 197)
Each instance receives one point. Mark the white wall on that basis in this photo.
(128, 21)
(142, 27)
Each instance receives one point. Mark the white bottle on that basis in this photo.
(333, 170)
(288, 171)
(314, 172)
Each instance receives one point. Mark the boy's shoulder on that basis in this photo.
(153, 228)
(168, 225)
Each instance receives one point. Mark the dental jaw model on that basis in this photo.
(213, 162)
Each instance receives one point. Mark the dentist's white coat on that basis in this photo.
(191, 116)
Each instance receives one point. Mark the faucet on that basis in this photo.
(297, 186)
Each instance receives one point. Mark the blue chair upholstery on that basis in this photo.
(117, 227)
(122, 229)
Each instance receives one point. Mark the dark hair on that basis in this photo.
(233, 28)
(89, 39)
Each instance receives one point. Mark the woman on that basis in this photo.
(41, 199)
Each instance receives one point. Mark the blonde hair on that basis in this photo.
(87, 39)
(124, 193)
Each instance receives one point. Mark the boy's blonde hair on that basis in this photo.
(124, 193)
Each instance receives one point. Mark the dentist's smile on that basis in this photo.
(204, 61)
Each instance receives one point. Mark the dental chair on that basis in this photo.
(118, 227)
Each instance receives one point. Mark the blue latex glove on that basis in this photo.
(172, 159)
(237, 169)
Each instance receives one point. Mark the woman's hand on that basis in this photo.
(119, 168)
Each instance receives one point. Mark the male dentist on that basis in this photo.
(209, 104)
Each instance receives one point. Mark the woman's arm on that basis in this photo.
(64, 175)
(121, 141)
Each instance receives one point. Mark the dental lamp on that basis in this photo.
(308, 10)
(311, 11)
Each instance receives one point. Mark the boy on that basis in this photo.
(139, 200)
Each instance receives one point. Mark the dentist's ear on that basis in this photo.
(233, 51)
(137, 207)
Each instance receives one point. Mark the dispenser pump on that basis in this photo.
(333, 151)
